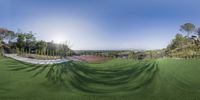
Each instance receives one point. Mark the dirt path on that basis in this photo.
(35, 61)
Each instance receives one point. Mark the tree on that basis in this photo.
(51, 46)
(63, 50)
(41, 46)
(5, 34)
(131, 55)
(21, 41)
(30, 40)
(1, 48)
(198, 32)
(188, 28)
(178, 42)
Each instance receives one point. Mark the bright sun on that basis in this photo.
(58, 39)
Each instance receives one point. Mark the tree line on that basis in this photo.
(26, 43)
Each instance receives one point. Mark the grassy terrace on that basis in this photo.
(118, 79)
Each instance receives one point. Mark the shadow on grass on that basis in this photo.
(84, 78)
(131, 78)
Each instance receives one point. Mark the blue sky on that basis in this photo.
(101, 24)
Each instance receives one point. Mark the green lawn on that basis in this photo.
(163, 79)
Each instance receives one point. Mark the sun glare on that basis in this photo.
(58, 40)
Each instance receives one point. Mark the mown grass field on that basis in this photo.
(118, 79)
